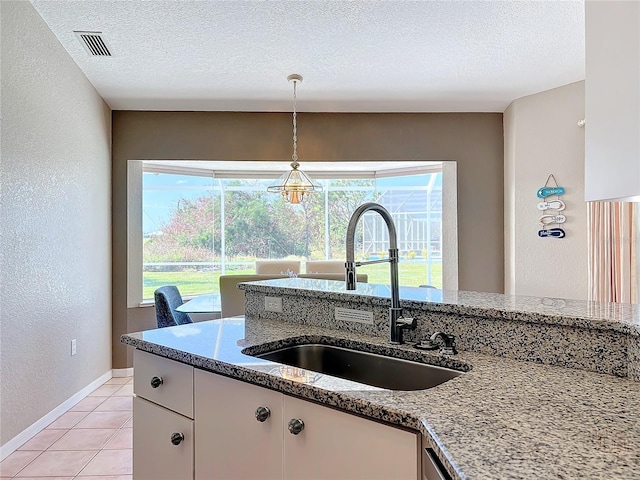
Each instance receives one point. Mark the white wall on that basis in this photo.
(542, 137)
(55, 224)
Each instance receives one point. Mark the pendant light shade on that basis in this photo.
(295, 185)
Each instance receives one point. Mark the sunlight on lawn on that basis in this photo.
(197, 283)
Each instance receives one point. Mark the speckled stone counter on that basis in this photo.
(502, 419)
(600, 337)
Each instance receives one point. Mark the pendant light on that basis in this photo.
(295, 185)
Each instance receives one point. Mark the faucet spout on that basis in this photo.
(395, 312)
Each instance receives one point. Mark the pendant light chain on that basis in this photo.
(295, 186)
(294, 157)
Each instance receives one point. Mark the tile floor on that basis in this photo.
(93, 440)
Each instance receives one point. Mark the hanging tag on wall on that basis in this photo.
(549, 190)
(551, 232)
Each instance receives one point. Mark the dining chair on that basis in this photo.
(324, 266)
(360, 277)
(277, 267)
(231, 297)
(167, 299)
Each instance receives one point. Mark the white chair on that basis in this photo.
(325, 266)
(231, 297)
(277, 267)
(360, 277)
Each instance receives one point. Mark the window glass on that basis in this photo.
(179, 232)
(197, 227)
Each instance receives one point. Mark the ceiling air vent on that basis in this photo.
(93, 43)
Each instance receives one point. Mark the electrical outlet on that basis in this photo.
(73, 347)
(273, 304)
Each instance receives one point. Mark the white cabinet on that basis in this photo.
(163, 428)
(191, 423)
(339, 445)
(232, 444)
(612, 100)
(162, 443)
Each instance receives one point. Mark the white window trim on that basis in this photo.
(134, 212)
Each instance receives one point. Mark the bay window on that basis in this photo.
(199, 221)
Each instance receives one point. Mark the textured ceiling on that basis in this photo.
(355, 56)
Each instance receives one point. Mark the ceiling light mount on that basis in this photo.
(295, 185)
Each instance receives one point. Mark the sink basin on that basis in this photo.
(362, 367)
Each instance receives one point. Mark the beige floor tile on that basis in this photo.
(67, 420)
(129, 423)
(15, 462)
(122, 439)
(59, 464)
(118, 381)
(105, 391)
(43, 440)
(126, 390)
(110, 462)
(104, 420)
(87, 404)
(105, 477)
(116, 403)
(51, 478)
(84, 439)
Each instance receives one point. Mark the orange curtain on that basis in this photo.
(612, 251)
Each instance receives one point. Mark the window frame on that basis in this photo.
(136, 169)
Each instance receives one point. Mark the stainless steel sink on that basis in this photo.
(362, 367)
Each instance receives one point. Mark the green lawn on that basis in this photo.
(197, 283)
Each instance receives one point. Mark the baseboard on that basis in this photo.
(122, 372)
(28, 433)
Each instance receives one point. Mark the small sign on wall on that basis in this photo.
(357, 316)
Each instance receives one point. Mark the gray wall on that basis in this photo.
(55, 224)
(474, 140)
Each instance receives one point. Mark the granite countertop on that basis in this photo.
(502, 419)
(620, 317)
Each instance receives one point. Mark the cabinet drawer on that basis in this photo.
(174, 382)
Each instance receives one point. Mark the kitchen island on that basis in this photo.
(504, 418)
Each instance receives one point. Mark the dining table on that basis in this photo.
(209, 303)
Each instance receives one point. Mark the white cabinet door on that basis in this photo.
(337, 445)
(156, 457)
(230, 442)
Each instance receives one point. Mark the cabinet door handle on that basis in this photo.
(177, 438)
(156, 382)
(262, 413)
(296, 425)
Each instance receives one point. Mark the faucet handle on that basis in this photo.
(407, 322)
(402, 323)
(448, 343)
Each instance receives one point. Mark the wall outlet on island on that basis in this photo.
(273, 304)
(73, 347)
